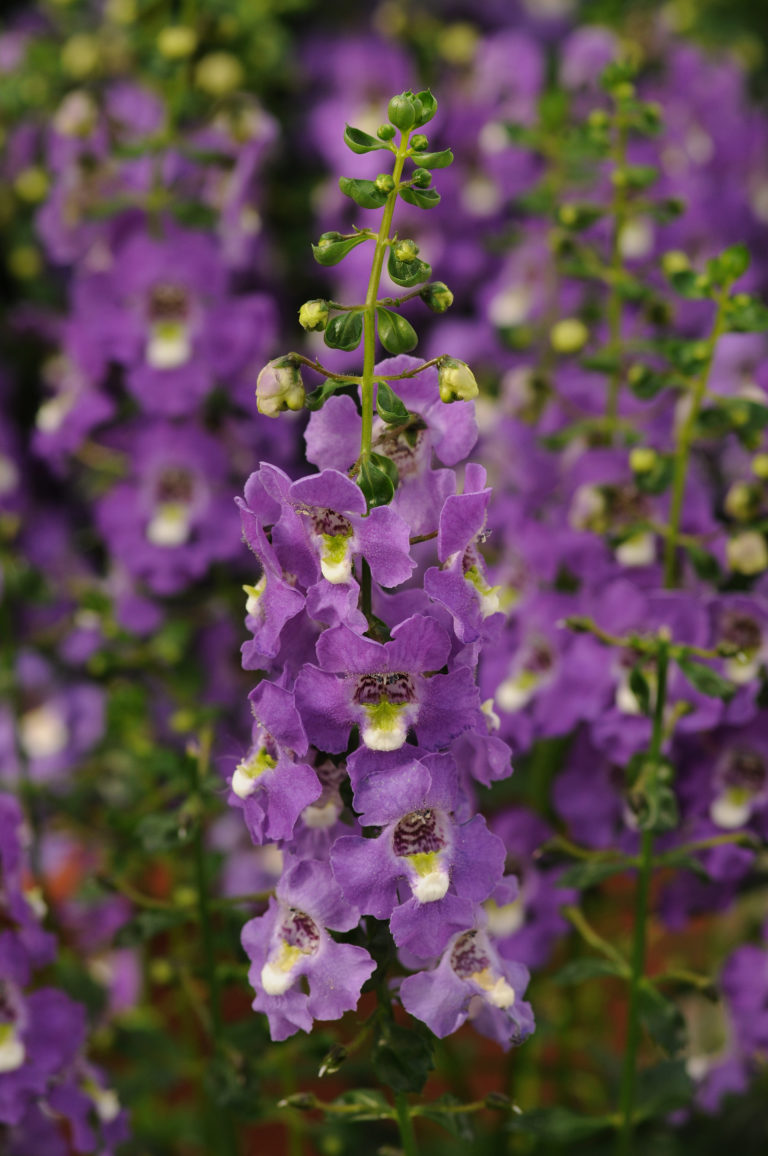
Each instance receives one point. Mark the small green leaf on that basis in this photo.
(442, 1111)
(638, 684)
(403, 1056)
(389, 405)
(645, 382)
(729, 265)
(407, 273)
(363, 193)
(745, 314)
(376, 484)
(638, 176)
(439, 160)
(396, 334)
(388, 467)
(363, 142)
(368, 1104)
(422, 198)
(344, 331)
(318, 397)
(663, 1088)
(706, 680)
(428, 107)
(662, 1019)
(331, 252)
(690, 284)
(705, 564)
(590, 967)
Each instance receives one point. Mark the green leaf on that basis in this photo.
(369, 1104)
(744, 314)
(318, 397)
(590, 967)
(422, 198)
(663, 1088)
(638, 684)
(396, 334)
(706, 680)
(729, 265)
(407, 272)
(690, 284)
(658, 478)
(705, 564)
(428, 107)
(459, 1124)
(559, 1125)
(375, 483)
(344, 331)
(334, 251)
(163, 832)
(639, 176)
(662, 1019)
(147, 924)
(387, 466)
(403, 1056)
(363, 193)
(645, 382)
(363, 142)
(591, 872)
(389, 405)
(439, 160)
(579, 215)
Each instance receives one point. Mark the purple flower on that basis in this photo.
(291, 942)
(385, 689)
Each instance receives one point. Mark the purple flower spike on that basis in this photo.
(291, 941)
(471, 982)
(382, 689)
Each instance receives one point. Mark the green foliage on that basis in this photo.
(403, 1056)
(376, 481)
(422, 198)
(345, 330)
(333, 247)
(363, 193)
(706, 679)
(363, 142)
(396, 333)
(389, 406)
(407, 273)
(589, 967)
(662, 1019)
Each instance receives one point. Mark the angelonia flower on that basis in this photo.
(368, 665)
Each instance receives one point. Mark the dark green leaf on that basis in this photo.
(663, 1088)
(729, 265)
(402, 1056)
(591, 872)
(559, 1125)
(363, 142)
(639, 176)
(344, 331)
(335, 251)
(578, 216)
(658, 478)
(407, 273)
(704, 563)
(163, 832)
(590, 967)
(147, 924)
(396, 334)
(706, 680)
(744, 314)
(387, 466)
(662, 1018)
(645, 382)
(428, 107)
(439, 160)
(389, 405)
(363, 193)
(318, 397)
(376, 484)
(690, 284)
(638, 684)
(422, 198)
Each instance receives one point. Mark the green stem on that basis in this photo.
(683, 449)
(369, 313)
(615, 308)
(629, 1073)
(405, 1124)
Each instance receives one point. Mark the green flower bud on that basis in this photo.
(176, 41)
(80, 56)
(404, 110)
(421, 178)
(747, 553)
(742, 501)
(313, 315)
(279, 387)
(419, 143)
(569, 335)
(760, 466)
(675, 261)
(219, 74)
(455, 380)
(642, 460)
(385, 182)
(437, 297)
(385, 131)
(31, 185)
(405, 250)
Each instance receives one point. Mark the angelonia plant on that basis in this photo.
(367, 622)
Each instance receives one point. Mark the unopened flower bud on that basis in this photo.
(437, 296)
(675, 261)
(279, 387)
(405, 250)
(642, 460)
(569, 335)
(421, 178)
(742, 501)
(176, 41)
(80, 56)
(31, 185)
(419, 143)
(760, 466)
(456, 380)
(385, 182)
(219, 74)
(747, 553)
(404, 110)
(385, 131)
(313, 315)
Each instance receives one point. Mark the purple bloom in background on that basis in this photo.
(291, 942)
